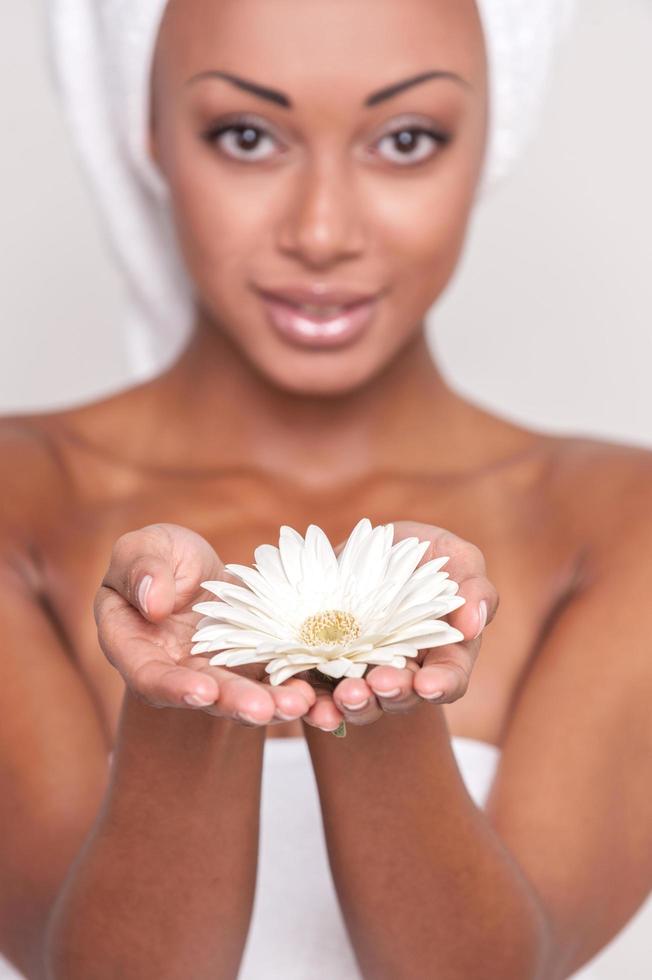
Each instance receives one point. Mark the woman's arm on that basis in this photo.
(427, 887)
(560, 858)
(158, 870)
(164, 884)
(137, 879)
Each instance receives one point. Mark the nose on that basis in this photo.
(322, 224)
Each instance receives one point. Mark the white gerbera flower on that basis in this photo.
(301, 606)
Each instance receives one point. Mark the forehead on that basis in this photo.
(297, 45)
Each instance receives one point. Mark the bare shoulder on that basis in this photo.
(35, 475)
(33, 445)
(603, 487)
(607, 460)
(31, 481)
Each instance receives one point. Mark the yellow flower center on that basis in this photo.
(330, 627)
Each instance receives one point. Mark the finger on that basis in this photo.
(166, 685)
(479, 609)
(466, 566)
(446, 671)
(356, 701)
(242, 699)
(292, 699)
(324, 713)
(394, 687)
(159, 569)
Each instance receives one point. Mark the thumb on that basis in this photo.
(159, 569)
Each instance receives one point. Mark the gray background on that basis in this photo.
(548, 320)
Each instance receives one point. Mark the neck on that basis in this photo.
(406, 419)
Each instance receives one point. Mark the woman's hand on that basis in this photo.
(440, 675)
(145, 622)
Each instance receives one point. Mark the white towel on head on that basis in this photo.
(100, 58)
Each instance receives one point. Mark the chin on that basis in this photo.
(308, 378)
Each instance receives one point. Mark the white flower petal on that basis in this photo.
(438, 639)
(291, 546)
(397, 619)
(398, 662)
(236, 595)
(380, 659)
(204, 621)
(334, 668)
(293, 659)
(403, 561)
(371, 560)
(212, 632)
(235, 658)
(288, 649)
(348, 555)
(413, 593)
(452, 602)
(431, 566)
(268, 562)
(224, 613)
(253, 579)
(387, 653)
(241, 638)
(411, 633)
(319, 561)
(284, 673)
(389, 537)
(201, 648)
(279, 669)
(408, 616)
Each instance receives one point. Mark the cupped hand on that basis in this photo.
(440, 675)
(145, 622)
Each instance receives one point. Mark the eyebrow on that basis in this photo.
(280, 98)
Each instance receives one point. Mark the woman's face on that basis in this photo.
(318, 185)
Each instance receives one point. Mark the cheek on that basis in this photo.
(215, 228)
(220, 219)
(422, 223)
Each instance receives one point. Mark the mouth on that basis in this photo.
(319, 325)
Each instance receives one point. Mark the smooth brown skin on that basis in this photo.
(242, 434)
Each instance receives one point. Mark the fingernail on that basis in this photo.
(284, 717)
(356, 707)
(143, 589)
(247, 719)
(197, 701)
(433, 696)
(394, 693)
(482, 618)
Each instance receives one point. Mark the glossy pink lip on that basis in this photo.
(316, 294)
(307, 331)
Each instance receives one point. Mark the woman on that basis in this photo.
(356, 187)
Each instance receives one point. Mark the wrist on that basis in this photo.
(392, 731)
(172, 751)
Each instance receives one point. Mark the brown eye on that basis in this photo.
(412, 144)
(242, 141)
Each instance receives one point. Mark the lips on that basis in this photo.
(319, 325)
(318, 296)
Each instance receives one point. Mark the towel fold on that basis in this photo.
(100, 54)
